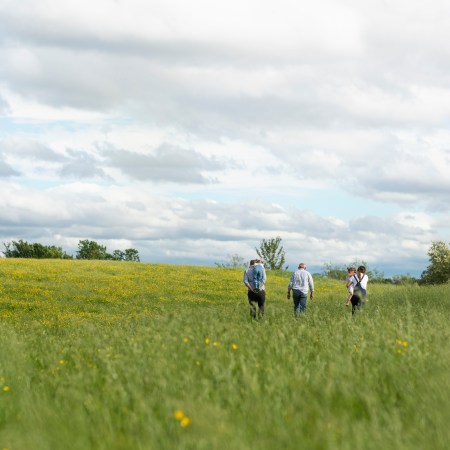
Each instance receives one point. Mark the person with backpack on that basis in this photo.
(360, 281)
(255, 297)
(258, 273)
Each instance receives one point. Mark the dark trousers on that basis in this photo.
(358, 302)
(256, 298)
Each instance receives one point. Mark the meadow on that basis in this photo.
(114, 355)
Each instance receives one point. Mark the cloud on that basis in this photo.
(178, 227)
(25, 148)
(4, 107)
(6, 170)
(167, 163)
(81, 165)
(201, 127)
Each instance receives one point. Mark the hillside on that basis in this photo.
(114, 355)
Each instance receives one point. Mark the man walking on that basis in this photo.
(301, 281)
(255, 297)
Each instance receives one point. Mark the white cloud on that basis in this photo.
(194, 129)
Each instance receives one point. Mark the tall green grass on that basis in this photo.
(103, 355)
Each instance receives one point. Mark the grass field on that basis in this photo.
(104, 355)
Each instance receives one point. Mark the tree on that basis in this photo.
(339, 271)
(272, 252)
(234, 261)
(438, 271)
(91, 250)
(334, 271)
(403, 280)
(131, 254)
(24, 249)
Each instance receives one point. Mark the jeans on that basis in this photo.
(300, 299)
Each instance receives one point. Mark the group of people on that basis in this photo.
(301, 284)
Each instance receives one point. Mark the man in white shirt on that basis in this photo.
(301, 282)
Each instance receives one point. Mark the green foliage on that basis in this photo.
(334, 271)
(339, 271)
(24, 249)
(438, 272)
(272, 252)
(233, 261)
(403, 280)
(91, 250)
(129, 254)
(108, 355)
(86, 250)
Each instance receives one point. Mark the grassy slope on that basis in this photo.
(101, 355)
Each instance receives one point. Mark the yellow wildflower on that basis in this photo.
(234, 346)
(186, 340)
(5, 388)
(207, 341)
(179, 415)
(186, 421)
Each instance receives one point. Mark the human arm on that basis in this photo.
(291, 283)
(311, 286)
(247, 281)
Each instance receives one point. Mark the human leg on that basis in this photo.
(300, 300)
(349, 298)
(257, 299)
(261, 302)
(363, 298)
(356, 303)
(251, 303)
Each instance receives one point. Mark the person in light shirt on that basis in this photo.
(360, 289)
(350, 282)
(300, 283)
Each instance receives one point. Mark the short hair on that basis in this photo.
(361, 269)
(302, 266)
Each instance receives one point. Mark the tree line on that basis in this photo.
(271, 250)
(87, 249)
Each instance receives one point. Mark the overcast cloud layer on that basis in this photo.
(192, 130)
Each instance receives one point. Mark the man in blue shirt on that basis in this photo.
(255, 297)
(301, 281)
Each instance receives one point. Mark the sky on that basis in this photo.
(191, 131)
